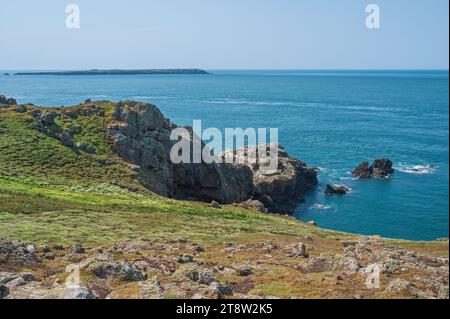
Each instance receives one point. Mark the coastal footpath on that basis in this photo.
(90, 188)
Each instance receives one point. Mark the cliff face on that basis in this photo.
(141, 135)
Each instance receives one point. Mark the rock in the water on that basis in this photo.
(336, 190)
(381, 168)
(362, 171)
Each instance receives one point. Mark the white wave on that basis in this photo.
(319, 206)
(417, 169)
(245, 102)
(138, 97)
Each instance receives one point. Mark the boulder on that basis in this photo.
(362, 171)
(215, 204)
(48, 118)
(298, 250)
(66, 139)
(336, 190)
(117, 270)
(4, 291)
(78, 249)
(4, 101)
(16, 251)
(380, 168)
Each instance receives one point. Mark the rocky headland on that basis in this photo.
(140, 134)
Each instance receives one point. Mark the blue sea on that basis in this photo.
(330, 119)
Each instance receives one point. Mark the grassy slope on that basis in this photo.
(50, 193)
(57, 195)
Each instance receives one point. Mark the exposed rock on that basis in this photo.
(245, 271)
(199, 249)
(141, 136)
(338, 190)
(4, 291)
(21, 109)
(118, 270)
(298, 250)
(4, 101)
(78, 249)
(215, 204)
(48, 118)
(185, 259)
(255, 204)
(31, 249)
(16, 251)
(220, 289)
(380, 168)
(312, 223)
(402, 286)
(87, 147)
(362, 171)
(35, 113)
(50, 256)
(66, 139)
(75, 293)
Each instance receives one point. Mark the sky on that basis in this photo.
(224, 34)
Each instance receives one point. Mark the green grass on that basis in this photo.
(50, 193)
(43, 215)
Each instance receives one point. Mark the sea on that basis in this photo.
(332, 120)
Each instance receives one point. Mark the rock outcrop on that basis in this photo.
(140, 134)
(5, 102)
(336, 190)
(380, 168)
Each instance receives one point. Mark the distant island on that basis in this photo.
(118, 72)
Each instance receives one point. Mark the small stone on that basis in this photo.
(199, 249)
(245, 271)
(31, 249)
(215, 205)
(45, 248)
(27, 276)
(78, 249)
(185, 259)
(50, 256)
(312, 223)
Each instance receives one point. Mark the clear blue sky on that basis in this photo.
(224, 34)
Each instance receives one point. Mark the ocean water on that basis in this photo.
(330, 119)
